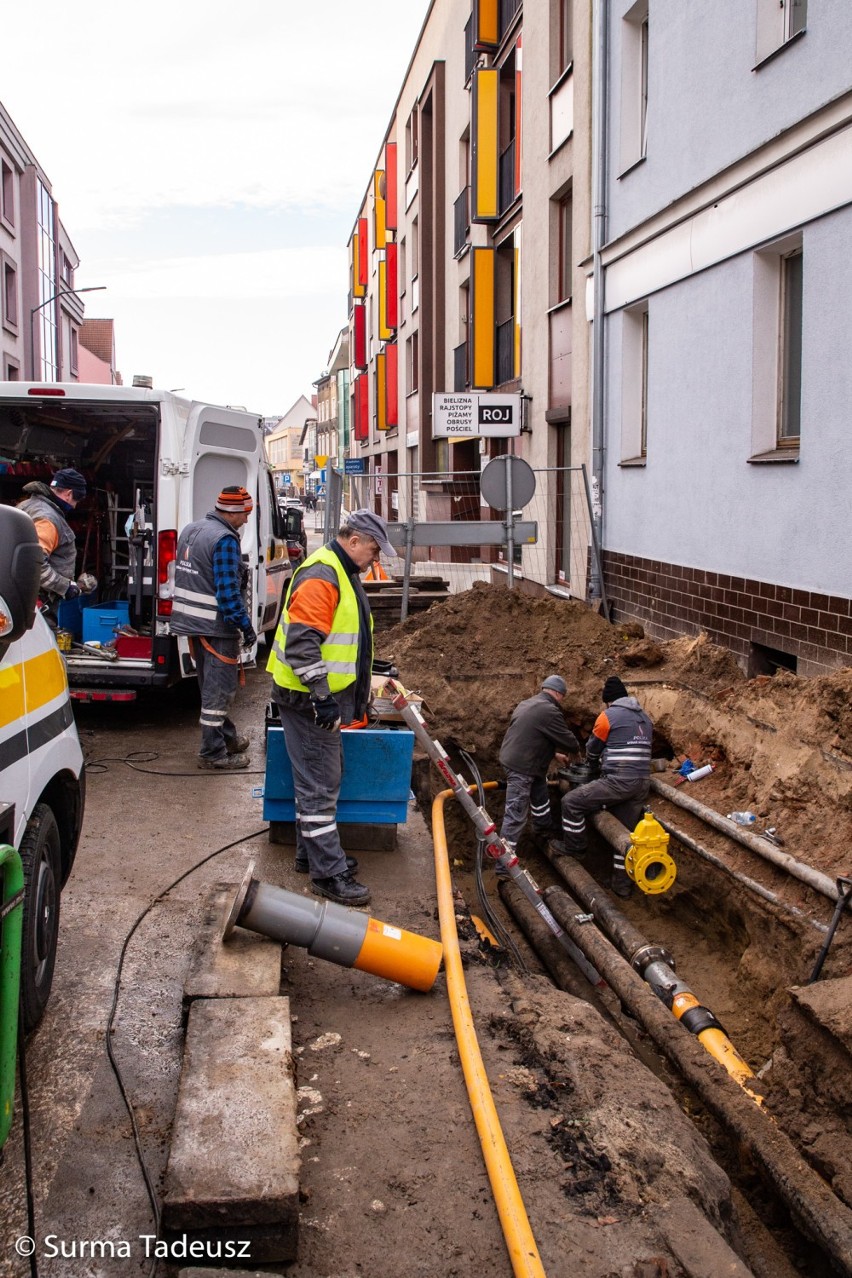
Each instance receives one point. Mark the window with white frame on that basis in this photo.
(635, 55)
(777, 349)
(778, 21)
(563, 35)
(789, 416)
(10, 294)
(634, 384)
(7, 193)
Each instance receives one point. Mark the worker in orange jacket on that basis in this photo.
(620, 745)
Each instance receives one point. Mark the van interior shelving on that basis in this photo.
(115, 448)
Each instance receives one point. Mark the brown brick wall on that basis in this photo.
(672, 600)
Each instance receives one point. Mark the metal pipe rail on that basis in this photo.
(797, 869)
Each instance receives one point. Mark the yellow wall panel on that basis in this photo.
(381, 392)
(482, 318)
(484, 200)
(487, 29)
(385, 333)
(358, 290)
(379, 216)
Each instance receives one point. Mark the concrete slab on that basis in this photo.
(355, 837)
(233, 1173)
(245, 966)
(696, 1244)
(217, 1273)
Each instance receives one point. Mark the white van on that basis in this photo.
(154, 462)
(42, 777)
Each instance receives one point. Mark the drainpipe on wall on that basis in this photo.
(600, 123)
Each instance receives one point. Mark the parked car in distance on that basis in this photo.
(297, 538)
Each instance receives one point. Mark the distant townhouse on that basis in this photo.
(284, 448)
(40, 317)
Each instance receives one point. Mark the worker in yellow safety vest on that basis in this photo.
(321, 665)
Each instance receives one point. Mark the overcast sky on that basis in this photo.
(209, 160)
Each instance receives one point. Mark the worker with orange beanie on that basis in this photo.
(210, 607)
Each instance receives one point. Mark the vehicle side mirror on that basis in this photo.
(21, 558)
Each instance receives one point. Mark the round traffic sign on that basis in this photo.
(507, 481)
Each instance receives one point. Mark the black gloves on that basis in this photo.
(326, 713)
(249, 637)
(72, 592)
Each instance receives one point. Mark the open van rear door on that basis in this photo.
(223, 446)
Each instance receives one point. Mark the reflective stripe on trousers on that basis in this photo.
(522, 793)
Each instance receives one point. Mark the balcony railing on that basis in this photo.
(508, 9)
(506, 351)
(461, 212)
(461, 381)
(507, 177)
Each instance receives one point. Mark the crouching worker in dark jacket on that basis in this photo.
(536, 736)
(621, 744)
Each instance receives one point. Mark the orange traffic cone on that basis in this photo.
(375, 573)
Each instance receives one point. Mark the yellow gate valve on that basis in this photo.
(648, 862)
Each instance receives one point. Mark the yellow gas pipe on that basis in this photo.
(521, 1245)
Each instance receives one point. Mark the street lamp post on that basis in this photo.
(63, 292)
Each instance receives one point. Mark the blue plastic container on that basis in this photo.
(69, 616)
(101, 622)
(376, 783)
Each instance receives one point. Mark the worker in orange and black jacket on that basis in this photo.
(621, 745)
(321, 664)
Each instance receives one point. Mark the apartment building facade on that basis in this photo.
(463, 262)
(40, 318)
(723, 455)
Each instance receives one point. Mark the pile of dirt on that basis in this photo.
(782, 746)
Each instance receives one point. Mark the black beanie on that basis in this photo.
(613, 689)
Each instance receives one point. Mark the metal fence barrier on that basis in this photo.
(558, 559)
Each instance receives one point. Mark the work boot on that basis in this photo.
(547, 833)
(621, 884)
(301, 866)
(558, 848)
(239, 745)
(342, 888)
(227, 763)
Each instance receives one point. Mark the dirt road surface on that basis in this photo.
(392, 1177)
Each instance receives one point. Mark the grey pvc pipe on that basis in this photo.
(797, 869)
(326, 930)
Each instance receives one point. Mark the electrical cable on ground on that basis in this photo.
(96, 766)
(152, 1197)
(497, 927)
(25, 1124)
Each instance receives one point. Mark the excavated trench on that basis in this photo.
(744, 934)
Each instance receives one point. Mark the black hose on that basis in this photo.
(146, 1176)
(25, 1122)
(497, 926)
